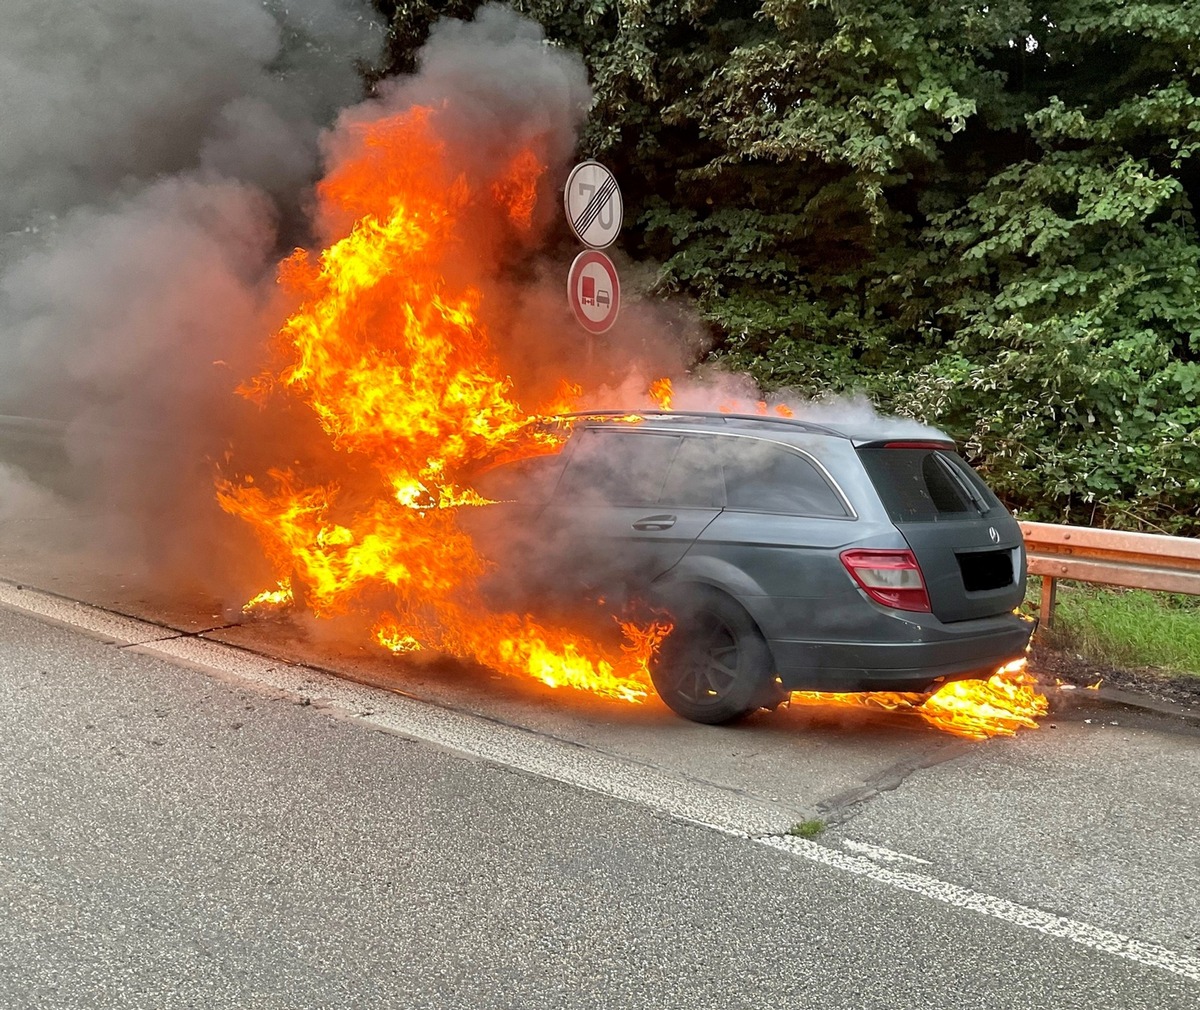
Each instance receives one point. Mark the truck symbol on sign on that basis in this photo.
(590, 296)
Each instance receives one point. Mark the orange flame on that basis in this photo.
(977, 709)
(516, 189)
(661, 393)
(398, 369)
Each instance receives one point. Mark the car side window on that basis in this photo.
(765, 478)
(694, 480)
(528, 481)
(617, 467)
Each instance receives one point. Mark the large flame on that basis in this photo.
(396, 365)
(398, 369)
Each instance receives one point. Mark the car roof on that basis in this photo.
(860, 431)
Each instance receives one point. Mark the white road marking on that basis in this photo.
(680, 797)
(1059, 926)
(879, 854)
(685, 799)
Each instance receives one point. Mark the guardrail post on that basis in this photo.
(1049, 590)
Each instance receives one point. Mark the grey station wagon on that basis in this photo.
(790, 555)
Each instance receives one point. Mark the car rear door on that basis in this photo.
(969, 547)
(778, 537)
(630, 503)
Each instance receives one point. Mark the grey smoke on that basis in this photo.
(151, 151)
(496, 86)
(95, 98)
(164, 151)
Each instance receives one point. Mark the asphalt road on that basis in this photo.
(192, 813)
(175, 837)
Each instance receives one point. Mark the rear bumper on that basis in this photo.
(934, 654)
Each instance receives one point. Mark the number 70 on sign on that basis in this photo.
(592, 201)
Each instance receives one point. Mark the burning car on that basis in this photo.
(390, 385)
(788, 555)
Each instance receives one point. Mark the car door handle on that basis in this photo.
(652, 523)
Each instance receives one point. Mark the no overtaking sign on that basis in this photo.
(594, 291)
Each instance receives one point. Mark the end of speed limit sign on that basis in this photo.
(593, 204)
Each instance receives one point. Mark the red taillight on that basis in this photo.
(892, 578)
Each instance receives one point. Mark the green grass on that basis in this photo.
(1124, 627)
(807, 829)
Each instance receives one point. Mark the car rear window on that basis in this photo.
(765, 478)
(926, 484)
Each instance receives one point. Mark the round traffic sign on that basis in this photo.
(593, 204)
(594, 291)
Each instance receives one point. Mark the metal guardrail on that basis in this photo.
(1109, 557)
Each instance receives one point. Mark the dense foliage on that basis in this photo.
(981, 214)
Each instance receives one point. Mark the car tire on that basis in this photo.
(715, 666)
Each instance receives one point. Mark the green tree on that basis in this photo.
(982, 214)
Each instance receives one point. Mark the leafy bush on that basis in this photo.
(981, 215)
